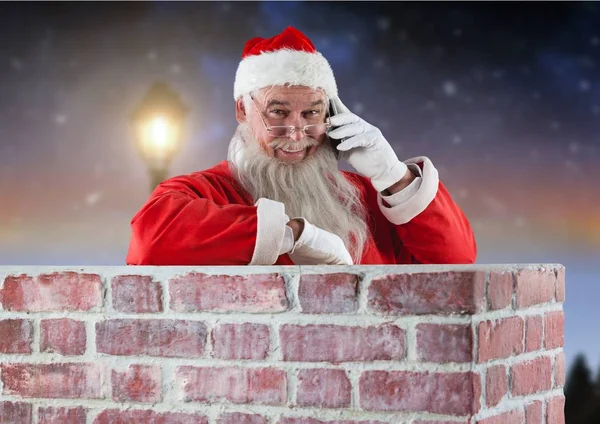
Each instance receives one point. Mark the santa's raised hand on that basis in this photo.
(365, 148)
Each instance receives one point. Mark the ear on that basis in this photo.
(240, 110)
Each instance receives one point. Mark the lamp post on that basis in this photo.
(158, 124)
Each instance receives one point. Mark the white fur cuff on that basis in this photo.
(403, 212)
(270, 231)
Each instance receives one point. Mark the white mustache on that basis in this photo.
(285, 143)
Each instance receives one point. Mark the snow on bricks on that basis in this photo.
(152, 337)
(58, 291)
(54, 380)
(428, 293)
(221, 293)
(53, 415)
(63, 335)
(282, 345)
(336, 343)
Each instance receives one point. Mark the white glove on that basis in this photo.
(316, 247)
(365, 148)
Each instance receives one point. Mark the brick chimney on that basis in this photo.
(282, 345)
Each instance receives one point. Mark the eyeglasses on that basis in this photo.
(289, 130)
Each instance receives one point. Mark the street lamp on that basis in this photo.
(158, 124)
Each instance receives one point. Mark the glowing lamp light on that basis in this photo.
(158, 122)
(158, 139)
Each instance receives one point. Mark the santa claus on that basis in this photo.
(280, 198)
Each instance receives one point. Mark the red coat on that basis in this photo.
(206, 218)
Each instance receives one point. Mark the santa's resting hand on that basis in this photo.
(316, 246)
(365, 148)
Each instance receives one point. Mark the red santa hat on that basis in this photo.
(289, 58)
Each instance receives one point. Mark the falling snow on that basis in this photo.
(383, 24)
(358, 108)
(93, 198)
(449, 88)
(572, 166)
(520, 222)
(379, 63)
(16, 64)
(574, 147)
(498, 73)
(60, 119)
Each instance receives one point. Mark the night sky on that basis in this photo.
(503, 97)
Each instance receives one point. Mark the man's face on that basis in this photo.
(285, 106)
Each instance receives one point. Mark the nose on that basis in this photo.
(298, 123)
(297, 136)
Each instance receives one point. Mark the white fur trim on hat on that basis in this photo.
(284, 67)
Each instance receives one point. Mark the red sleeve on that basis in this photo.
(430, 227)
(181, 224)
(441, 234)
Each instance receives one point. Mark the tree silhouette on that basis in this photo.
(597, 387)
(580, 394)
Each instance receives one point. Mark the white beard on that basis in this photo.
(313, 188)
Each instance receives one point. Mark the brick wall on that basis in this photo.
(282, 345)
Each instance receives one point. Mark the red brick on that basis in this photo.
(328, 293)
(15, 413)
(58, 380)
(196, 292)
(444, 342)
(500, 338)
(559, 370)
(238, 385)
(336, 343)
(534, 333)
(511, 417)
(531, 376)
(428, 293)
(554, 326)
(555, 410)
(500, 290)
(496, 385)
(439, 422)
(66, 291)
(239, 418)
(115, 416)
(139, 383)
(414, 391)
(62, 335)
(306, 420)
(534, 287)
(136, 294)
(16, 336)
(560, 284)
(58, 415)
(241, 341)
(533, 413)
(152, 337)
(324, 388)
